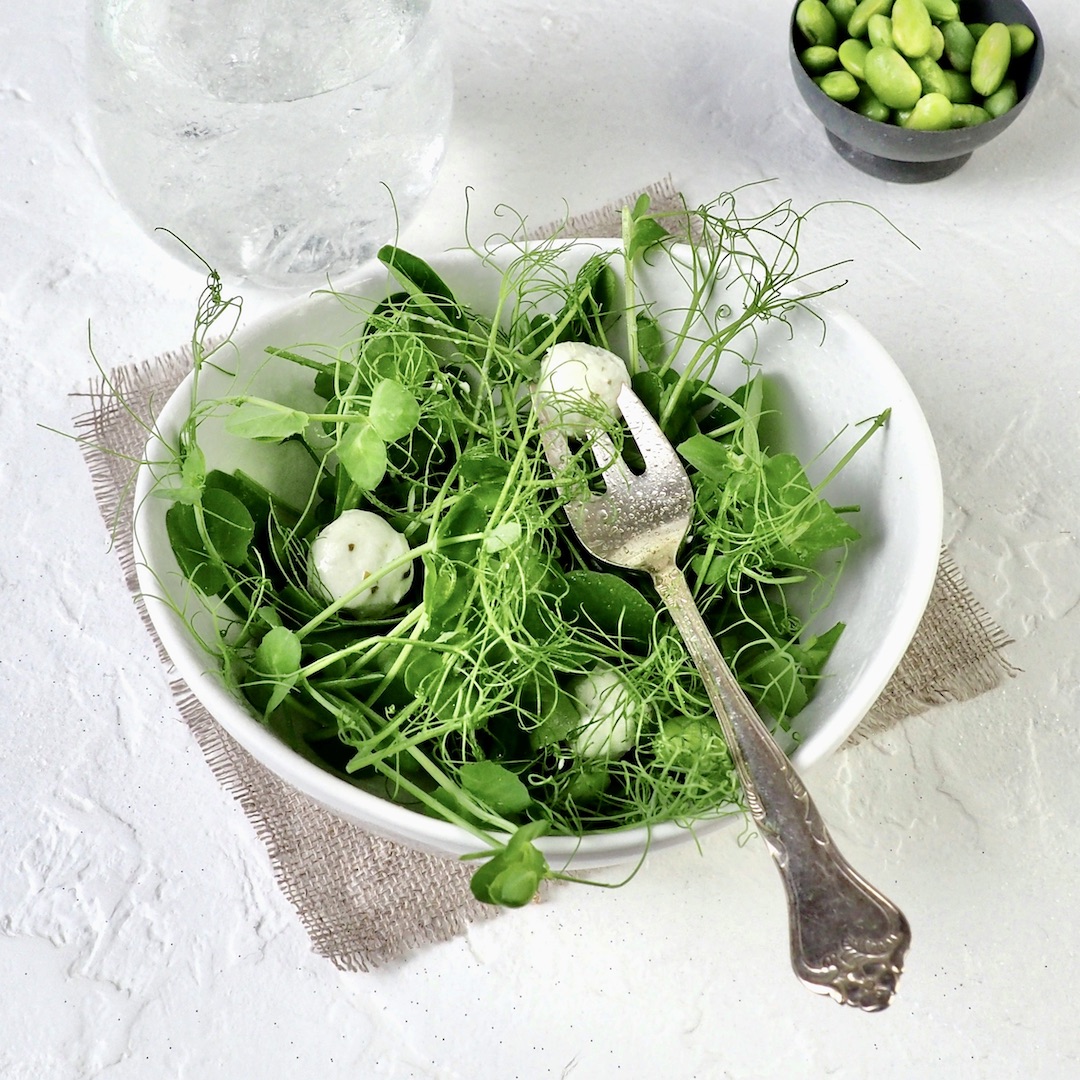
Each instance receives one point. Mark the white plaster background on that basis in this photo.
(141, 934)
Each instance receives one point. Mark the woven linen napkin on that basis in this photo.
(363, 900)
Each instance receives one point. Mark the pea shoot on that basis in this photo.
(424, 623)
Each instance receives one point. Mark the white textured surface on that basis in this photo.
(141, 934)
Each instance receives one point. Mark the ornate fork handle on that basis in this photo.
(847, 939)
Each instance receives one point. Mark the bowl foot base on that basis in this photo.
(903, 172)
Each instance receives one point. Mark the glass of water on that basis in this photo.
(281, 140)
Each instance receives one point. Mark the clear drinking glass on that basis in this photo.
(282, 140)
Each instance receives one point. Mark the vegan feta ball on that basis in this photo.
(352, 548)
(577, 380)
(611, 714)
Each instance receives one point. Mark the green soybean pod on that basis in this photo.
(815, 21)
(852, 54)
(841, 10)
(867, 105)
(932, 112)
(879, 31)
(818, 59)
(960, 89)
(990, 61)
(942, 10)
(891, 79)
(968, 115)
(1002, 99)
(839, 85)
(911, 27)
(931, 76)
(1022, 37)
(856, 26)
(937, 43)
(959, 45)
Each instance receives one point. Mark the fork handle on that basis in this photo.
(847, 939)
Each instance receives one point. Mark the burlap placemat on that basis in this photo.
(365, 901)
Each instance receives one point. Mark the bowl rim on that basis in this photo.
(381, 816)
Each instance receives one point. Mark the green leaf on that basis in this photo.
(334, 380)
(645, 231)
(540, 336)
(589, 783)
(595, 303)
(710, 457)
(265, 421)
(480, 882)
(447, 585)
(394, 411)
(252, 494)
(777, 684)
(424, 285)
(608, 604)
(650, 339)
(503, 536)
(480, 462)
(279, 653)
(495, 786)
(512, 875)
(363, 454)
(193, 470)
(229, 525)
(514, 886)
(471, 513)
(434, 676)
(182, 529)
(278, 658)
(809, 526)
(559, 715)
(814, 653)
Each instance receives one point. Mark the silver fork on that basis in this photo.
(847, 939)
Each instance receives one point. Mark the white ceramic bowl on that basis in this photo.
(826, 380)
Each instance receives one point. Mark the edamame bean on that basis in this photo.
(856, 26)
(942, 10)
(841, 10)
(852, 54)
(968, 115)
(937, 43)
(839, 85)
(931, 76)
(990, 61)
(867, 105)
(815, 21)
(879, 31)
(1002, 99)
(977, 29)
(891, 79)
(932, 112)
(1022, 38)
(911, 27)
(960, 91)
(959, 45)
(818, 59)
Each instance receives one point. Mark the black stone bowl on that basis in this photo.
(890, 152)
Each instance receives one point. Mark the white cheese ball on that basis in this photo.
(351, 549)
(574, 375)
(611, 714)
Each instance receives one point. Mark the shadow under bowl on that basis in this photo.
(890, 152)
